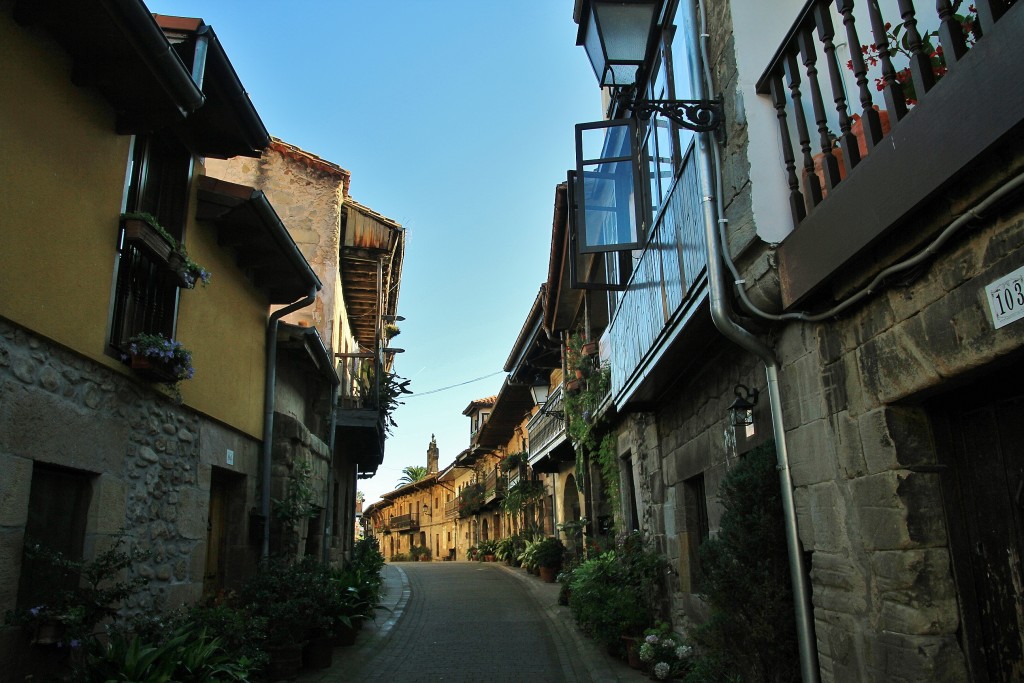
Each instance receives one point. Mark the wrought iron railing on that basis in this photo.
(145, 298)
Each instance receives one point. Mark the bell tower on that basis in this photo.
(432, 455)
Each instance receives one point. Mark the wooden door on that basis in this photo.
(981, 441)
(213, 578)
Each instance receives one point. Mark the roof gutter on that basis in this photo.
(721, 314)
(139, 26)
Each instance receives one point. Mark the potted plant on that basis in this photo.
(144, 231)
(281, 593)
(69, 611)
(159, 359)
(548, 557)
(487, 549)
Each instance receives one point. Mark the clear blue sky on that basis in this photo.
(455, 118)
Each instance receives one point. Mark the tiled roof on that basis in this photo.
(310, 160)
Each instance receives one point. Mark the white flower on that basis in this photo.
(652, 639)
(682, 651)
(669, 643)
(646, 652)
(661, 670)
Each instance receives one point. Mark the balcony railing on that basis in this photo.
(494, 486)
(932, 80)
(664, 288)
(544, 429)
(404, 522)
(451, 508)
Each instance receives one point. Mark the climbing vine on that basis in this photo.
(586, 388)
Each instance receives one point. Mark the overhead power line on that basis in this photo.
(452, 386)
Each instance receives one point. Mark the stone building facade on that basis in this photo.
(896, 390)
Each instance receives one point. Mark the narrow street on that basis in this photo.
(470, 622)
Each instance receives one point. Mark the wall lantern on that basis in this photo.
(618, 36)
(741, 412)
(539, 391)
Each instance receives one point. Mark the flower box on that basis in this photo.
(145, 237)
(152, 369)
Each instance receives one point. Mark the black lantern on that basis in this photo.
(539, 390)
(741, 411)
(618, 36)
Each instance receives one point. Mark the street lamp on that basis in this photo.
(741, 411)
(618, 36)
(539, 390)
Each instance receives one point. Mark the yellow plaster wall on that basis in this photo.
(224, 326)
(62, 170)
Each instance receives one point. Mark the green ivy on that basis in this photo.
(583, 427)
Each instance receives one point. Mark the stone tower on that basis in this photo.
(432, 455)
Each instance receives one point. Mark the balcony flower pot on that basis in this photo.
(148, 237)
(589, 349)
(152, 369)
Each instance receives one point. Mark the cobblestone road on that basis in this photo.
(470, 622)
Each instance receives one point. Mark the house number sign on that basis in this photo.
(1006, 298)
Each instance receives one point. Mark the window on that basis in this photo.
(58, 507)
(697, 529)
(145, 297)
(609, 216)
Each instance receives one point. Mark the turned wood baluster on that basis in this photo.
(895, 102)
(989, 12)
(826, 34)
(796, 200)
(920, 57)
(872, 124)
(809, 56)
(951, 33)
(812, 188)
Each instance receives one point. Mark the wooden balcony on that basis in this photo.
(408, 522)
(451, 508)
(546, 430)
(882, 106)
(494, 486)
(661, 303)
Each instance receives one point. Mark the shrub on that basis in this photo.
(189, 654)
(549, 553)
(616, 593)
(746, 580)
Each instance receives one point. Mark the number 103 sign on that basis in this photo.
(1006, 298)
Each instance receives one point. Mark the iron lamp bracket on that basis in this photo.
(700, 116)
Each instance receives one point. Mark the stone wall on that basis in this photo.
(143, 454)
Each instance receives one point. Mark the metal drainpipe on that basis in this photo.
(722, 317)
(329, 508)
(270, 380)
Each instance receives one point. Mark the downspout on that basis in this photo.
(329, 508)
(270, 381)
(722, 317)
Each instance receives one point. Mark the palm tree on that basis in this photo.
(412, 474)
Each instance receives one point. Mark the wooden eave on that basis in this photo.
(117, 48)
(372, 253)
(264, 249)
